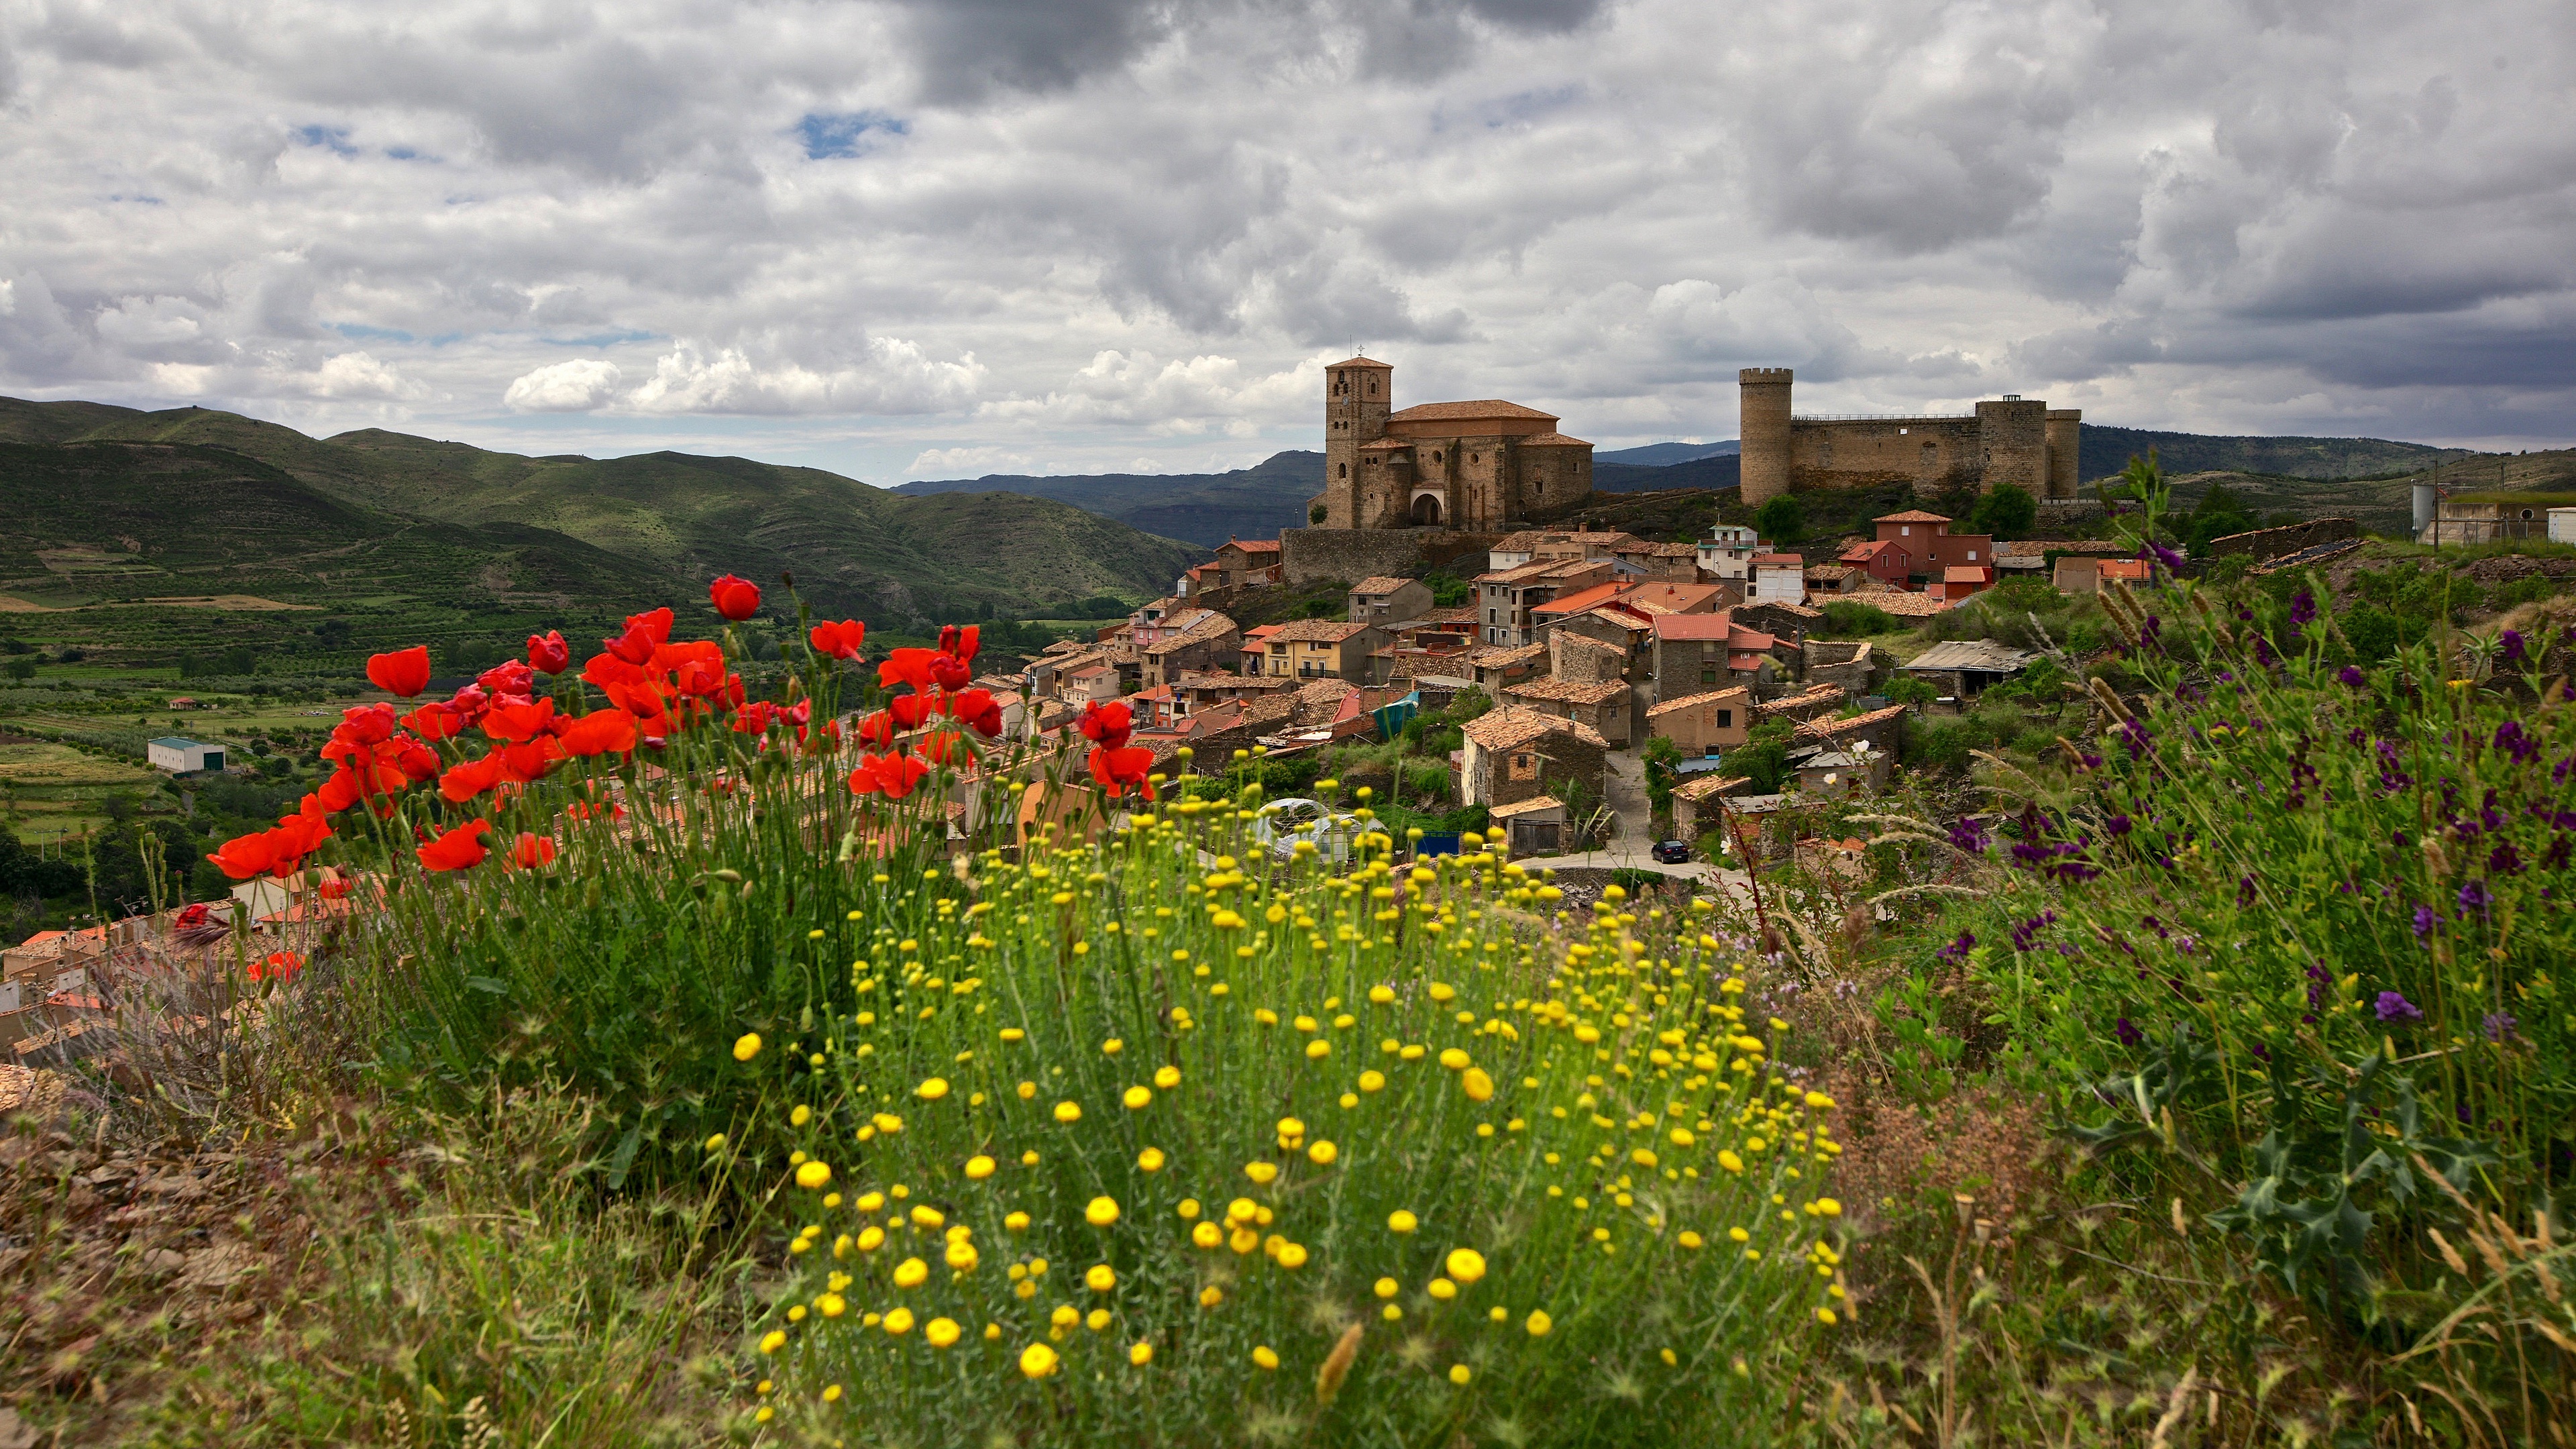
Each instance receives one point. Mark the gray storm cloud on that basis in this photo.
(871, 235)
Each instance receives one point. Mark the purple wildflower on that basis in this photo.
(2509, 648)
(2555, 858)
(2026, 934)
(1957, 950)
(2263, 654)
(2245, 890)
(1969, 834)
(2475, 897)
(2427, 920)
(2116, 826)
(2504, 860)
(2320, 984)
(2499, 1026)
(2303, 608)
(2351, 674)
(2394, 1007)
(2511, 738)
(2129, 1035)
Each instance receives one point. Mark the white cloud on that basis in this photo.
(1179, 397)
(359, 375)
(895, 377)
(954, 462)
(576, 386)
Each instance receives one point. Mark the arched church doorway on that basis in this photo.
(1426, 511)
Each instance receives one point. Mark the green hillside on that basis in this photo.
(192, 500)
(2105, 450)
(1204, 508)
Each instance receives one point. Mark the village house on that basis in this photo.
(1536, 826)
(1930, 545)
(1384, 601)
(1200, 643)
(182, 756)
(1696, 653)
(1318, 648)
(1513, 755)
(1832, 578)
(1727, 556)
(1786, 622)
(1583, 659)
(1809, 703)
(1665, 562)
(1541, 545)
(1508, 596)
(1879, 730)
(1697, 807)
(1603, 706)
(2080, 574)
(1496, 666)
(1615, 626)
(1886, 560)
(1247, 563)
(1778, 578)
(1704, 724)
(1854, 664)
(1961, 669)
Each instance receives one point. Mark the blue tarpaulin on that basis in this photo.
(1392, 718)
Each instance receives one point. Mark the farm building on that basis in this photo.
(183, 756)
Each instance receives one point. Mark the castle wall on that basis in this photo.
(1930, 453)
(1307, 555)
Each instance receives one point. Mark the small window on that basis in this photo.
(1342, 470)
(1708, 674)
(1905, 530)
(1435, 455)
(1472, 457)
(1726, 719)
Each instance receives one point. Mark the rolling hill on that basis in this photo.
(1204, 508)
(639, 529)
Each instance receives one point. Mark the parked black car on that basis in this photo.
(1672, 852)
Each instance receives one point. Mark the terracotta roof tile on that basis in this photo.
(1911, 515)
(1380, 585)
(1491, 407)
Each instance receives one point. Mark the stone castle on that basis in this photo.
(1478, 466)
(2006, 440)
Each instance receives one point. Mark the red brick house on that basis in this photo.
(1933, 548)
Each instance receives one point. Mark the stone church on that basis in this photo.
(1478, 466)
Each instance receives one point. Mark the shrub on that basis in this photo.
(1851, 616)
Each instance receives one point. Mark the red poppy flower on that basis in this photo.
(755, 718)
(245, 856)
(549, 652)
(824, 740)
(906, 666)
(960, 644)
(458, 848)
(279, 966)
(511, 678)
(909, 710)
(1107, 726)
(892, 776)
(418, 762)
(1119, 770)
(337, 887)
(532, 851)
(435, 721)
(877, 729)
(519, 723)
(463, 782)
(403, 673)
(976, 709)
(600, 732)
(949, 673)
(193, 915)
(342, 790)
(946, 748)
(523, 764)
(736, 599)
(841, 640)
(643, 633)
(359, 730)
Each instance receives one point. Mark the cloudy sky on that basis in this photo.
(932, 238)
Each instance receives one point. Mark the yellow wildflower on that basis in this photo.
(1266, 1357)
(1101, 1212)
(746, 1046)
(1539, 1323)
(979, 1167)
(1037, 1361)
(1466, 1264)
(898, 1323)
(931, 1089)
(813, 1174)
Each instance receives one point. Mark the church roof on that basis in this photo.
(1492, 407)
(1362, 361)
(1550, 440)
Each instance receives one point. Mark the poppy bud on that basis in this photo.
(548, 652)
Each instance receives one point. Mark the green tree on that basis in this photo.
(1781, 519)
(1763, 758)
(2006, 511)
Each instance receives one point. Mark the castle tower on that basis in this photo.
(2012, 443)
(1762, 426)
(1358, 392)
(2065, 445)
